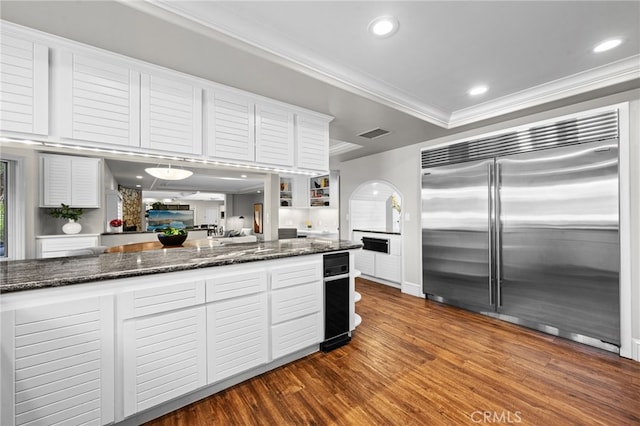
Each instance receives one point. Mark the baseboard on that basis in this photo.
(381, 281)
(635, 350)
(412, 289)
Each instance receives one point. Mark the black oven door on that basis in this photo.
(375, 244)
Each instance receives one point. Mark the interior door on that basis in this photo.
(560, 252)
(456, 237)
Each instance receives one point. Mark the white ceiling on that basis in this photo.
(318, 55)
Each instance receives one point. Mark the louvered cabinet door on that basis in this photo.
(58, 364)
(164, 357)
(56, 180)
(274, 136)
(98, 100)
(24, 85)
(312, 143)
(230, 133)
(237, 335)
(171, 115)
(86, 189)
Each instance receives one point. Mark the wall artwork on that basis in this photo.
(257, 218)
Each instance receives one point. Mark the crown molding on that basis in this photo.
(283, 51)
(586, 81)
(228, 26)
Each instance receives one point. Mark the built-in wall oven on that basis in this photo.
(375, 244)
(336, 301)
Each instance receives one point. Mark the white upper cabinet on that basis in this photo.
(230, 132)
(171, 115)
(312, 143)
(274, 135)
(75, 181)
(98, 100)
(24, 85)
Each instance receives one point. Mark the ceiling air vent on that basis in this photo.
(375, 133)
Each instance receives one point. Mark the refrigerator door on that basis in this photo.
(558, 244)
(456, 237)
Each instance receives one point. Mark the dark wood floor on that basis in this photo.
(416, 362)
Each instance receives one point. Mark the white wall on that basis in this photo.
(401, 168)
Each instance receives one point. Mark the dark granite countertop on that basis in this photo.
(19, 275)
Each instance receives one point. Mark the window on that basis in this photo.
(4, 166)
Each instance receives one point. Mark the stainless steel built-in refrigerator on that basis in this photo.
(524, 227)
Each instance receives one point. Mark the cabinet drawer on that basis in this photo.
(64, 244)
(291, 336)
(300, 273)
(228, 286)
(295, 302)
(161, 299)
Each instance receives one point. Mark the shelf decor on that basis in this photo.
(71, 214)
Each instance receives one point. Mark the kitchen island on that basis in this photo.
(127, 337)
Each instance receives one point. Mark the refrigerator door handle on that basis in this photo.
(491, 200)
(498, 234)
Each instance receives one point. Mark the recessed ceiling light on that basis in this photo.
(478, 90)
(383, 26)
(139, 177)
(243, 176)
(138, 186)
(607, 45)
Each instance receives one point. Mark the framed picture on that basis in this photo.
(257, 218)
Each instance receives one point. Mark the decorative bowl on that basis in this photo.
(172, 240)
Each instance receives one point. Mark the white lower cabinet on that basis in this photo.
(387, 266)
(296, 306)
(164, 344)
(58, 363)
(64, 245)
(96, 354)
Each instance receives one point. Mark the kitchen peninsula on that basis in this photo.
(126, 337)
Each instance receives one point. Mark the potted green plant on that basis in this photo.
(72, 215)
(172, 237)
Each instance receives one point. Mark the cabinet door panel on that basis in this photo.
(164, 357)
(237, 335)
(365, 262)
(274, 136)
(56, 180)
(231, 127)
(62, 363)
(99, 100)
(24, 85)
(171, 115)
(85, 182)
(312, 143)
(388, 267)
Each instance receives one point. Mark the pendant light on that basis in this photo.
(167, 173)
